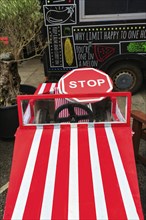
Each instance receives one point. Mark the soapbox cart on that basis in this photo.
(73, 160)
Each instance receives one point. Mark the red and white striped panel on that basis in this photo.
(73, 173)
(53, 88)
(45, 88)
(64, 113)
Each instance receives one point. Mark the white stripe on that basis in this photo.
(90, 106)
(100, 204)
(119, 113)
(41, 90)
(52, 88)
(27, 177)
(47, 203)
(27, 115)
(73, 206)
(121, 175)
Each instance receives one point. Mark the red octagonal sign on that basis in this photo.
(83, 81)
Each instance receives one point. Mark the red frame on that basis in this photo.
(53, 96)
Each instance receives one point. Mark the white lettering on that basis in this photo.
(82, 83)
(91, 83)
(72, 84)
(100, 81)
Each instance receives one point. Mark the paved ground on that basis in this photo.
(32, 73)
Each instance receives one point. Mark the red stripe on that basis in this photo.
(64, 113)
(20, 156)
(86, 194)
(38, 89)
(125, 147)
(59, 102)
(115, 207)
(47, 88)
(38, 180)
(60, 201)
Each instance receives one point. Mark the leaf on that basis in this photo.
(20, 20)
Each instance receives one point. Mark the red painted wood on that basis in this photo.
(112, 192)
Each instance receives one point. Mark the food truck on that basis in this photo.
(108, 35)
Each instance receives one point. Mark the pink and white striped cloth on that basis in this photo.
(53, 88)
(64, 113)
(73, 172)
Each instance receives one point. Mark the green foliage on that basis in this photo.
(21, 22)
(137, 47)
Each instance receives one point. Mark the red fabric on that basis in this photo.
(81, 140)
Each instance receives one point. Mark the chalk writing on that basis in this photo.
(85, 56)
(55, 46)
(111, 35)
(108, 34)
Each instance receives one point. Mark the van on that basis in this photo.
(109, 35)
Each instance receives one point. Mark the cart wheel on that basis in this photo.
(73, 117)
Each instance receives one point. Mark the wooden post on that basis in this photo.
(137, 126)
(139, 123)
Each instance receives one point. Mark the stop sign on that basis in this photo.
(83, 81)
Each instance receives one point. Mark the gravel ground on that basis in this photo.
(2, 202)
(141, 172)
(6, 152)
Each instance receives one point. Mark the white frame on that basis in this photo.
(107, 17)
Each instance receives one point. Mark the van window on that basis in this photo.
(115, 10)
